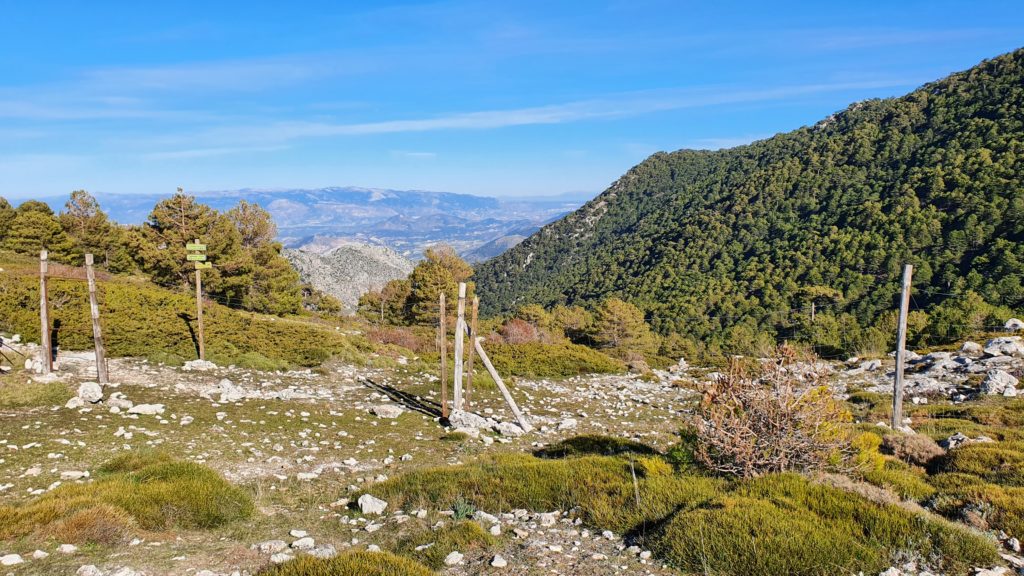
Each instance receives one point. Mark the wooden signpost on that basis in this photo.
(901, 353)
(45, 346)
(94, 311)
(197, 254)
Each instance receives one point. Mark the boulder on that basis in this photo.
(199, 365)
(371, 505)
(387, 411)
(463, 419)
(972, 349)
(229, 392)
(11, 560)
(118, 400)
(1005, 346)
(998, 381)
(306, 543)
(509, 429)
(1014, 325)
(74, 403)
(453, 559)
(870, 365)
(90, 392)
(271, 546)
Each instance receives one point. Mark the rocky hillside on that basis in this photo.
(825, 215)
(348, 270)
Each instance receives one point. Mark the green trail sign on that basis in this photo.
(203, 265)
(196, 247)
(196, 257)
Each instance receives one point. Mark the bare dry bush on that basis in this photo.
(775, 415)
(517, 331)
(397, 336)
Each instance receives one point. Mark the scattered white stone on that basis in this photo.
(71, 475)
(67, 549)
(296, 533)
(88, 570)
(498, 561)
(147, 409)
(271, 546)
(998, 381)
(74, 403)
(306, 543)
(200, 365)
(11, 560)
(371, 505)
(454, 558)
(281, 557)
(387, 411)
(567, 424)
(39, 555)
(1014, 324)
(186, 420)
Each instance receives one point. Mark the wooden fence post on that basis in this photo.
(94, 311)
(520, 417)
(901, 344)
(46, 348)
(460, 323)
(472, 349)
(442, 344)
(199, 314)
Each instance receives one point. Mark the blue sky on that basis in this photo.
(494, 98)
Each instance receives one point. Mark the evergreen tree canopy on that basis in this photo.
(749, 237)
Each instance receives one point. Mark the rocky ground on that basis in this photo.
(304, 441)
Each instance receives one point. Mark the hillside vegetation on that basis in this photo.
(734, 243)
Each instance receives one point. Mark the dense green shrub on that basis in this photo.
(994, 462)
(784, 524)
(537, 360)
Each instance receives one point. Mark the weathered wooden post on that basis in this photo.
(45, 346)
(472, 349)
(901, 344)
(460, 323)
(197, 255)
(442, 344)
(524, 423)
(94, 312)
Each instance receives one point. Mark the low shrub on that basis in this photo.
(537, 360)
(593, 444)
(916, 449)
(350, 564)
(149, 490)
(970, 499)
(402, 337)
(994, 462)
(901, 479)
(140, 319)
(783, 524)
(462, 537)
(600, 486)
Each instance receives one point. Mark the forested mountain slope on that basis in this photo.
(752, 235)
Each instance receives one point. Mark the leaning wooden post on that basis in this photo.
(460, 327)
(472, 349)
(94, 311)
(45, 347)
(520, 417)
(901, 344)
(442, 344)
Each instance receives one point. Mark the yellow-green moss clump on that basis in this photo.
(351, 564)
(150, 491)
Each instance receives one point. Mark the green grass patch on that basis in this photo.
(16, 392)
(148, 490)
(997, 463)
(350, 564)
(461, 537)
(905, 481)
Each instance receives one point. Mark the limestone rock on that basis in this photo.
(998, 381)
(387, 411)
(1014, 324)
(11, 560)
(509, 429)
(90, 392)
(498, 561)
(199, 365)
(229, 392)
(972, 349)
(147, 409)
(454, 558)
(371, 505)
(463, 419)
(1005, 346)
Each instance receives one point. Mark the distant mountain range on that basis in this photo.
(407, 221)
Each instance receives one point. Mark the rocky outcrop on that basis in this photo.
(350, 270)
